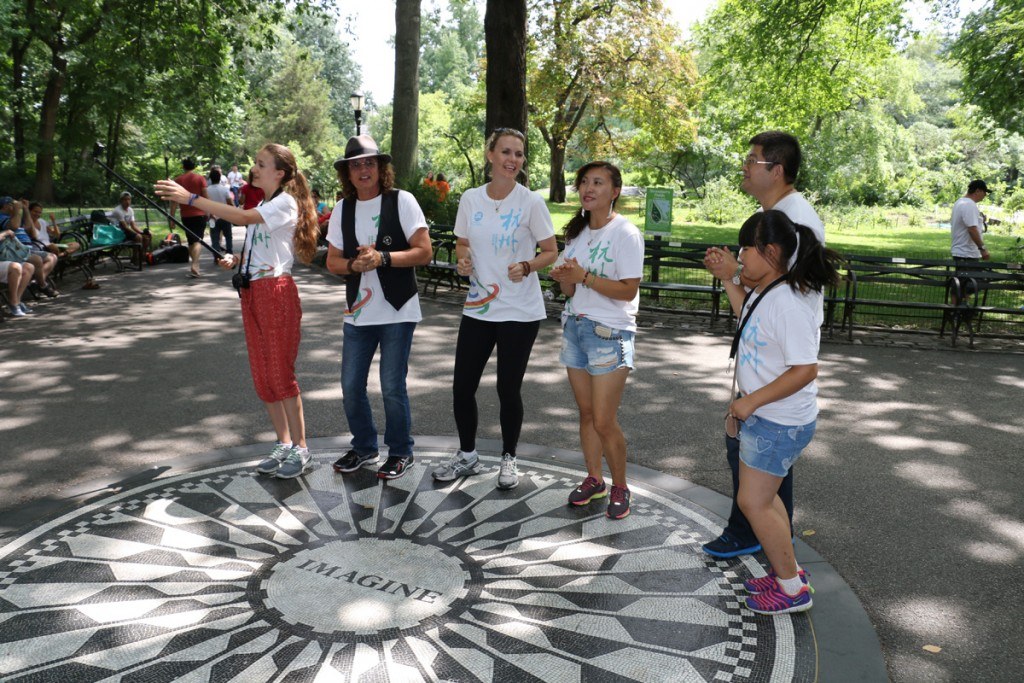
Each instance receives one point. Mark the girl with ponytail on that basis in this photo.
(280, 228)
(774, 415)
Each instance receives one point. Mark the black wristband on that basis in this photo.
(385, 259)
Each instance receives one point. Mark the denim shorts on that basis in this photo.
(773, 448)
(596, 348)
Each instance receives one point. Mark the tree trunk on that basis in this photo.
(505, 40)
(406, 106)
(556, 192)
(18, 50)
(43, 188)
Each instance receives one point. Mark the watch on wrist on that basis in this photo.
(385, 259)
(736, 276)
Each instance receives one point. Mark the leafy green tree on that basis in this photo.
(613, 59)
(338, 69)
(786, 64)
(295, 105)
(452, 48)
(990, 49)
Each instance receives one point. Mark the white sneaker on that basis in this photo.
(508, 475)
(16, 311)
(459, 465)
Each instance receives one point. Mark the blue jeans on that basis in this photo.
(357, 350)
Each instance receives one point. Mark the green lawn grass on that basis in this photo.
(879, 233)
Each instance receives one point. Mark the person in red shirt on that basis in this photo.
(192, 218)
(251, 195)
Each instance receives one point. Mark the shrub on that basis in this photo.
(723, 202)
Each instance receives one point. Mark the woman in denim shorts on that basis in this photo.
(600, 276)
(776, 352)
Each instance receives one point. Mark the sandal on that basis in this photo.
(91, 285)
(50, 291)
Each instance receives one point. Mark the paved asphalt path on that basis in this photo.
(911, 488)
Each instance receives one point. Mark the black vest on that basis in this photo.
(399, 284)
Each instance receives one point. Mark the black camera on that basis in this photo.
(240, 281)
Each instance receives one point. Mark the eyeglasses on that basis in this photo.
(363, 163)
(751, 161)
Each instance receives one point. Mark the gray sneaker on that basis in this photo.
(274, 460)
(457, 466)
(298, 461)
(508, 475)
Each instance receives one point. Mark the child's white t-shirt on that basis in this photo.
(500, 234)
(371, 308)
(782, 332)
(271, 241)
(615, 252)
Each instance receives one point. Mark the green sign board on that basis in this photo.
(658, 215)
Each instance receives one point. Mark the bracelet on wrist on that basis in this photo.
(385, 259)
(526, 268)
(192, 199)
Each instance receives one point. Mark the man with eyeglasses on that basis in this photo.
(377, 235)
(769, 176)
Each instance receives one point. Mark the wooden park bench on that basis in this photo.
(993, 292)
(79, 229)
(921, 288)
(674, 273)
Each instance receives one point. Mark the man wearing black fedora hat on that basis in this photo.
(377, 236)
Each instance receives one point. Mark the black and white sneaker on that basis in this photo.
(395, 466)
(352, 461)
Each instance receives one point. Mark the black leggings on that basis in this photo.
(477, 339)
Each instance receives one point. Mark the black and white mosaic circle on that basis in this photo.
(225, 575)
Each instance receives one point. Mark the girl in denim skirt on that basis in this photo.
(600, 276)
(776, 352)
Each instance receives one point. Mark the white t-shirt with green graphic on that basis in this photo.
(500, 234)
(273, 251)
(616, 252)
(371, 308)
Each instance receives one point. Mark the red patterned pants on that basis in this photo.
(271, 316)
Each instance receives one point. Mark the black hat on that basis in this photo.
(360, 147)
(977, 185)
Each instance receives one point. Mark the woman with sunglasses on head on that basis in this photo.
(775, 413)
(279, 229)
(604, 261)
(499, 228)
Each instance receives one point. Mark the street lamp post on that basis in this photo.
(357, 106)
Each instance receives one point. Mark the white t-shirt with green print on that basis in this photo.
(273, 251)
(616, 252)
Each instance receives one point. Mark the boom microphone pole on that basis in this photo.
(97, 151)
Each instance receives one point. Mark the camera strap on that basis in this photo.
(739, 328)
(250, 238)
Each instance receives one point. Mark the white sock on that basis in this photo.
(286, 444)
(791, 586)
(470, 456)
(301, 449)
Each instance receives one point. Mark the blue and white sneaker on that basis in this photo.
(274, 460)
(298, 461)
